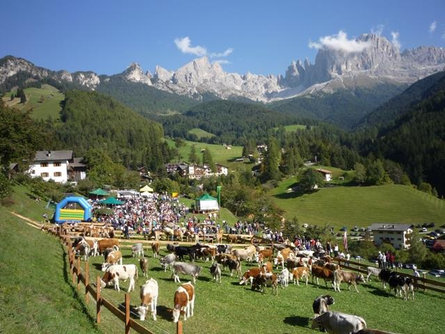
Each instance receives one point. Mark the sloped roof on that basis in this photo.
(389, 227)
(53, 155)
(206, 197)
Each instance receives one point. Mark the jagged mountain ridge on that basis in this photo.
(378, 63)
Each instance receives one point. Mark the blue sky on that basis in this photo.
(261, 37)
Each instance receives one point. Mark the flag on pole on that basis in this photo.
(345, 241)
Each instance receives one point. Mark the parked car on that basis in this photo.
(423, 229)
(410, 266)
(344, 228)
(437, 273)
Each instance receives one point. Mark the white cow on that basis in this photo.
(149, 295)
(116, 272)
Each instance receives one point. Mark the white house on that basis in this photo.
(59, 166)
(395, 234)
(327, 174)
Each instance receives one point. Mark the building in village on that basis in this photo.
(394, 234)
(59, 166)
(195, 172)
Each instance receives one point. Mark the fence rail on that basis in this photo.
(79, 276)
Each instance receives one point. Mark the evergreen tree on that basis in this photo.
(310, 179)
(193, 157)
(208, 160)
(271, 161)
(360, 173)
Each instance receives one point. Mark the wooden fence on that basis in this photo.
(83, 276)
(420, 282)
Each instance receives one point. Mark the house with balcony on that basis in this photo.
(394, 234)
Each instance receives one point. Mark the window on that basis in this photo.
(44, 174)
(57, 174)
(57, 164)
(33, 171)
(44, 164)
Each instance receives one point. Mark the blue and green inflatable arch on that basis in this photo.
(62, 215)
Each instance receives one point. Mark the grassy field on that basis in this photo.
(35, 296)
(201, 133)
(44, 102)
(361, 206)
(219, 153)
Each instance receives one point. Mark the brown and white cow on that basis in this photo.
(324, 273)
(143, 263)
(117, 272)
(250, 275)
(155, 249)
(264, 254)
(262, 280)
(103, 244)
(113, 257)
(184, 300)
(348, 277)
(149, 296)
(299, 273)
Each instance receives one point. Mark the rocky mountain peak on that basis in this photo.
(134, 73)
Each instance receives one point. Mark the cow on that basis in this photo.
(117, 272)
(299, 273)
(348, 277)
(186, 269)
(233, 265)
(149, 296)
(143, 263)
(324, 273)
(247, 254)
(321, 304)
(372, 271)
(83, 249)
(181, 251)
(339, 323)
(262, 280)
(222, 249)
(167, 261)
(209, 252)
(170, 247)
(184, 300)
(155, 249)
(264, 254)
(137, 250)
(283, 278)
(113, 257)
(250, 275)
(402, 285)
(267, 267)
(215, 270)
(103, 244)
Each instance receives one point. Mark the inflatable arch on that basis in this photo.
(62, 215)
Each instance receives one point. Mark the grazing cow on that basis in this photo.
(264, 254)
(262, 280)
(149, 296)
(321, 304)
(215, 270)
(250, 275)
(372, 271)
(324, 273)
(267, 267)
(348, 277)
(233, 265)
(402, 285)
(143, 263)
(171, 247)
(283, 278)
(117, 272)
(247, 254)
(137, 250)
(184, 300)
(299, 273)
(339, 323)
(113, 257)
(103, 244)
(155, 249)
(181, 251)
(167, 261)
(186, 269)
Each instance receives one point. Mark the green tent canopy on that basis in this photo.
(207, 203)
(99, 192)
(111, 201)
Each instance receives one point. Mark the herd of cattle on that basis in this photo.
(293, 265)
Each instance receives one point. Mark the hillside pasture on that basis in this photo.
(349, 206)
(199, 133)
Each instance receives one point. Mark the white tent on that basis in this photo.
(207, 203)
(146, 194)
(146, 188)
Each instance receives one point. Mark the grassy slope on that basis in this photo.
(201, 133)
(361, 206)
(34, 294)
(50, 107)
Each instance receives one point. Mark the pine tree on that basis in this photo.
(208, 160)
(193, 157)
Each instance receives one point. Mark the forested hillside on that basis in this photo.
(91, 120)
(231, 122)
(343, 108)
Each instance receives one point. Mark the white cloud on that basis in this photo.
(339, 42)
(378, 30)
(433, 26)
(395, 39)
(184, 45)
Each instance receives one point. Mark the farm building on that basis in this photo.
(395, 234)
(327, 174)
(59, 166)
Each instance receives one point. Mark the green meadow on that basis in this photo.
(199, 133)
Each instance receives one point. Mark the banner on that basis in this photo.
(345, 241)
(174, 195)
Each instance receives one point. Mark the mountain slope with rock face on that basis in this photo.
(378, 61)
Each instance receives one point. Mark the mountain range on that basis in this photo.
(378, 62)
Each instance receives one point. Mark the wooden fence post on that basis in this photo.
(179, 327)
(127, 313)
(98, 299)
(87, 280)
(78, 272)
